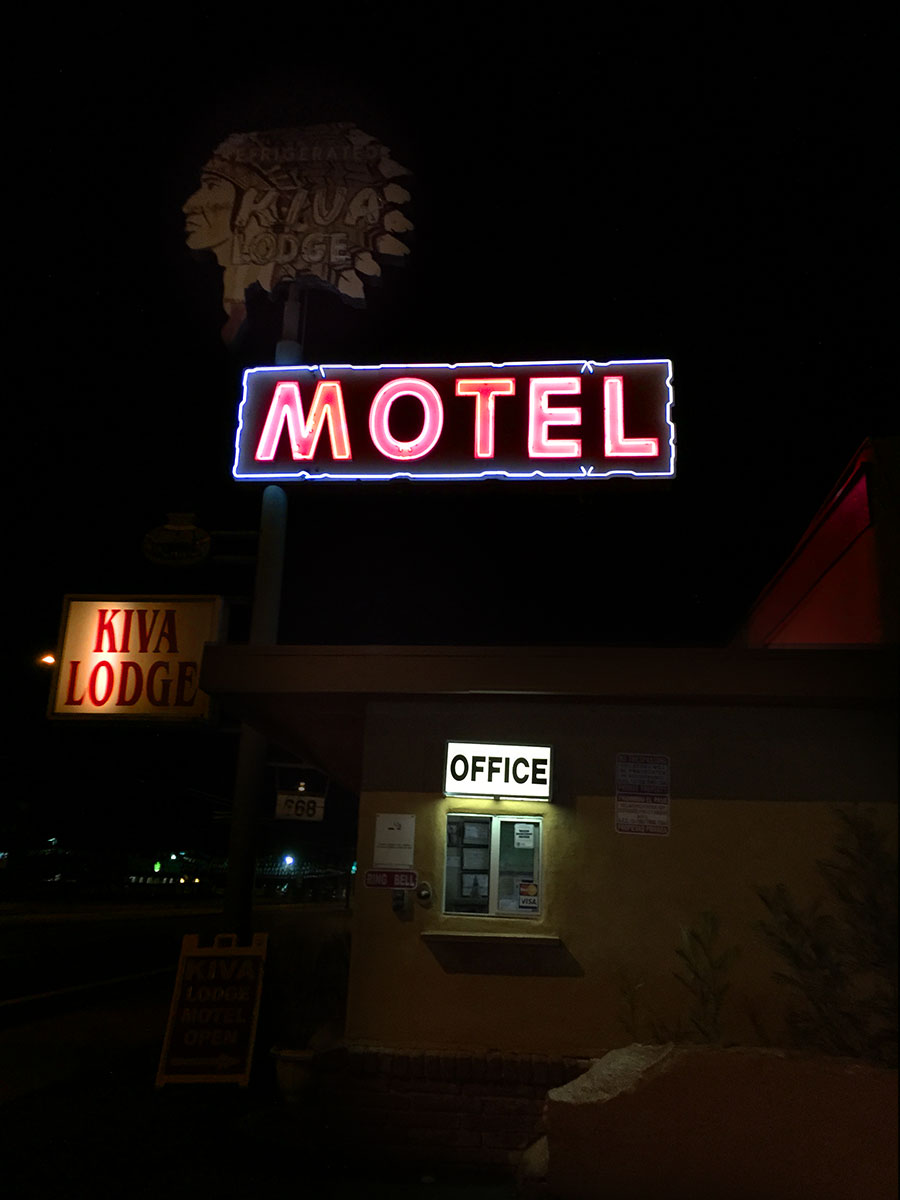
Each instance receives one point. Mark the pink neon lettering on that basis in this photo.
(433, 419)
(541, 416)
(485, 391)
(615, 443)
(287, 408)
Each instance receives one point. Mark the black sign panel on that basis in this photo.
(576, 419)
(215, 1005)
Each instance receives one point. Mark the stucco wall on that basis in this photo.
(703, 1124)
(753, 796)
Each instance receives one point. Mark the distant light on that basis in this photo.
(181, 880)
(173, 857)
(47, 659)
(157, 867)
(196, 881)
(353, 869)
(289, 860)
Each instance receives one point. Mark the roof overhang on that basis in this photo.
(312, 700)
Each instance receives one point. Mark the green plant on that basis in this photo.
(842, 959)
(704, 975)
(631, 1009)
(704, 971)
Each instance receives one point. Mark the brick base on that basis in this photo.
(435, 1106)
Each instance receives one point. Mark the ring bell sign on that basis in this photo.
(573, 419)
(134, 657)
(502, 772)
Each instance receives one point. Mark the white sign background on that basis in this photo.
(509, 761)
(121, 649)
(395, 840)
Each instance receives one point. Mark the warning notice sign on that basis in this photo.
(643, 798)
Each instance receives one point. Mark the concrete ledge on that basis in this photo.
(525, 954)
(444, 937)
(708, 1124)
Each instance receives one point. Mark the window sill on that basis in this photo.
(440, 937)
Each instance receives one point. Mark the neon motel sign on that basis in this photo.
(573, 419)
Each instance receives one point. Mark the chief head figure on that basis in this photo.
(315, 204)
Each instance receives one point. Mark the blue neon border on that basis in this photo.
(585, 365)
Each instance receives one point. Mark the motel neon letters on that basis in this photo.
(512, 420)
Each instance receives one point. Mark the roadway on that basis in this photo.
(79, 1109)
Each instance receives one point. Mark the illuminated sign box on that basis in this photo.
(574, 419)
(498, 771)
(134, 657)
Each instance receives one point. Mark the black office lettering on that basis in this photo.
(457, 774)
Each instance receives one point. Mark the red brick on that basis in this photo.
(416, 1064)
(431, 1120)
(504, 1140)
(466, 1067)
(513, 1104)
(400, 1066)
(434, 1101)
(433, 1085)
(432, 1064)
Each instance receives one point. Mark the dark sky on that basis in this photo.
(713, 194)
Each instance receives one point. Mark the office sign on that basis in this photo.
(498, 771)
(134, 657)
(571, 419)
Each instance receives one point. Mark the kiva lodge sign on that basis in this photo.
(135, 657)
(523, 420)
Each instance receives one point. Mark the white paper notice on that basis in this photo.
(523, 836)
(395, 840)
(643, 799)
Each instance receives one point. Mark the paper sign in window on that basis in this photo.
(477, 833)
(523, 837)
(476, 858)
(475, 885)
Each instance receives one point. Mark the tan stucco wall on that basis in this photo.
(737, 1123)
(617, 903)
(753, 796)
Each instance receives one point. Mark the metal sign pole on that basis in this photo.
(251, 764)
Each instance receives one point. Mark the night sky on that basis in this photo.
(713, 195)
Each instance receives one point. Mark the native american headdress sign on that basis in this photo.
(319, 205)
